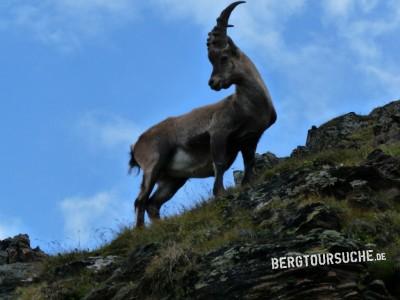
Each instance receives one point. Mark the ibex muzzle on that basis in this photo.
(205, 141)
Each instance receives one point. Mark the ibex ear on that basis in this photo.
(232, 47)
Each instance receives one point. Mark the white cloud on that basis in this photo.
(87, 218)
(389, 78)
(264, 25)
(9, 227)
(365, 36)
(338, 8)
(66, 23)
(107, 130)
(314, 66)
(261, 22)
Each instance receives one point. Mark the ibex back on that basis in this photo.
(205, 141)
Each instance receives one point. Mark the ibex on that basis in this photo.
(205, 141)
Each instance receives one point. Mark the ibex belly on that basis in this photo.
(186, 164)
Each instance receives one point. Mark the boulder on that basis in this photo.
(19, 264)
(18, 249)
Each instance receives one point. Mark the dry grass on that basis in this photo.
(202, 228)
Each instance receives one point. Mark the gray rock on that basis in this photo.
(17, 275)
(336, 133)
(99, 263)
(19, 264)
(381, 126)
(387, 123)
(18, 249)
(263, 161)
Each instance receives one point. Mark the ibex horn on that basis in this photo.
(219, 30)
(222, 21)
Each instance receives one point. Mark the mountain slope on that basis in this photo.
(340, 192)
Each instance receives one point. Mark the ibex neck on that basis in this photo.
(251, 86)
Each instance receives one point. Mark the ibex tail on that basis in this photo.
(133, 163)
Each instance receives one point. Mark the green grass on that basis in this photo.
(167, 271)
(203, 228)
(216, 222)
(345, 157)
(59, 260)
(386, 222)
(363, 135)
(391, 149)
(67, 289)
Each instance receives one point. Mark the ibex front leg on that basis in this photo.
(220, 161)
(248, 153)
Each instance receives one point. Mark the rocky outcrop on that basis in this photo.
(286, 227)
(243, 271)
(312, 202)
(382, 126)
(386, 127)
(262, 161)
(18, 249)
(19, 264)
(379, 172)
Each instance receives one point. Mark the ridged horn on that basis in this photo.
(222, 20)
(219, 31)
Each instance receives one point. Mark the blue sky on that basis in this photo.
(81, 79)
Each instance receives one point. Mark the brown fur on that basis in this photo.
(205, 141)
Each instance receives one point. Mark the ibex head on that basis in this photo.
(223, 53)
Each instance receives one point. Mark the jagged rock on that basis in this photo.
(19, 264)
(300, 151)
(116, 286)
(336, 133)
(263, 161)
(379, 172)
(244, 271)
(16, 275)
(315, 215)
(266, 161)
(99, 263)
(238, 176)
(387, 165)
(387, 123)
(303, 209)
(94, 263)
(18, 249)
(348, 131)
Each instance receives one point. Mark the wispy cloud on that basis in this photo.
(87, 218)
(261, 23)
(107, 130)
(9, 227)
(365, 34)
(338, 8)
(355, 27)
(315, 64)
(390, 79)
(66, 23)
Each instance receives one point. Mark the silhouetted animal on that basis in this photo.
(206, 141)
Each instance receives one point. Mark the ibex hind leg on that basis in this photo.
(166, 189)
(148, 182)
(151, 155)
(151, 169)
